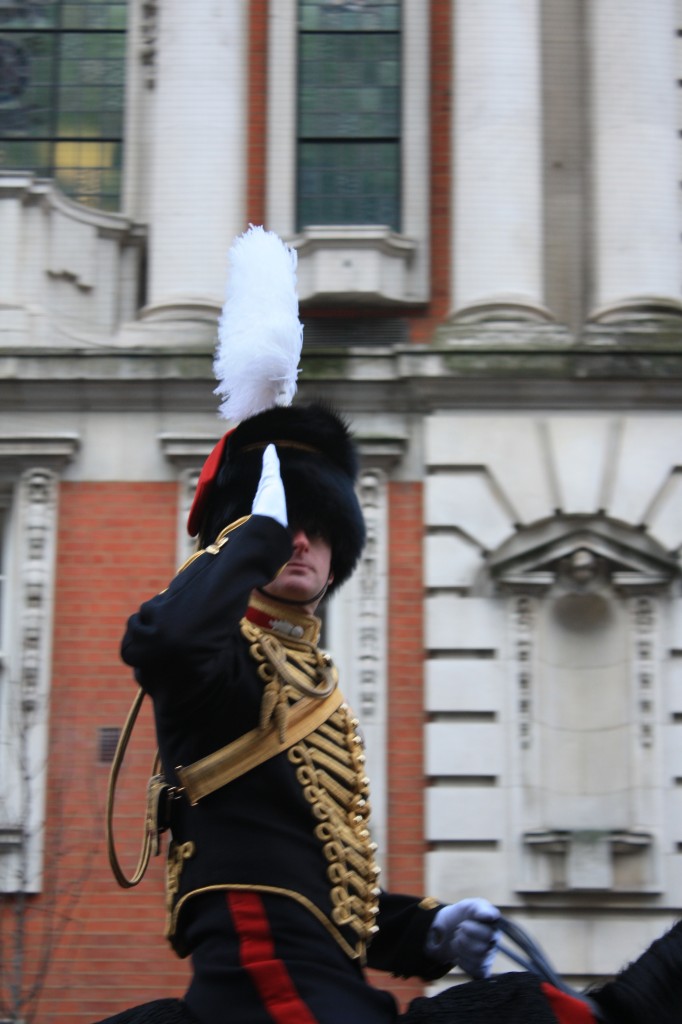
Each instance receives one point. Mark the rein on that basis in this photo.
(533, 959)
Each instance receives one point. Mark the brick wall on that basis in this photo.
(405, 862)
(116, 546)
(257, 111)
(423, 325)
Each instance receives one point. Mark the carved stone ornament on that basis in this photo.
(583, 614)
(149, 31)
(26, 711)
(581, 552)
(371, 616)
(38, 501)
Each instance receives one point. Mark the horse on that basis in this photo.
(647, 991)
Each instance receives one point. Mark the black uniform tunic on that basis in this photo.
(254, 905)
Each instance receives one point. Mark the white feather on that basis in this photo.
(260, 335)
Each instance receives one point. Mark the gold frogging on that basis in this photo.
(330, 766)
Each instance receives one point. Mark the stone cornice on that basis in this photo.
(24, 451)
(532, 368)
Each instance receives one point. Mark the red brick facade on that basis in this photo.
(406, 848)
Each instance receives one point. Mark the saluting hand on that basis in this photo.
(270, 499)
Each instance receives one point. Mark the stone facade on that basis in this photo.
(512, 363)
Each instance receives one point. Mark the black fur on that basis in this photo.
(319, 484)
(505, 999)
(648, 991)
(159, 1011)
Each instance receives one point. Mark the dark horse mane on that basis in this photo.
(647, 991)
(650, 988)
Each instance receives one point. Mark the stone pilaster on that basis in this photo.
(199, 158)
(635, 159)
(497, 203)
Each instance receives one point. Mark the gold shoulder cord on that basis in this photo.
(122, 745)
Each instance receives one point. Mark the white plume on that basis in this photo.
(260, 335)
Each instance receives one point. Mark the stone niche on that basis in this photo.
(585, 602)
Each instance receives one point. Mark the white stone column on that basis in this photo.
(634, 157)
(199, 151)
(497, 255)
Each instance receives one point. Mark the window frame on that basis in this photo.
(393, 266)
(317, 133)
(71, 177)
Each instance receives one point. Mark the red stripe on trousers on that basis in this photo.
(565, 1008)
(257, 954)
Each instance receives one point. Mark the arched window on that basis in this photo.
(62, 78)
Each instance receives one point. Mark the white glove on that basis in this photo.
(270, 499)
(465, 933)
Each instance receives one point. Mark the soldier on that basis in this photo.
(273, 887)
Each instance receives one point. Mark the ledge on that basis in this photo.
(168, 366)
(502, 310)
(22, 451)
(188, 451)
(357, 265)
(638, 309)
(32, 190)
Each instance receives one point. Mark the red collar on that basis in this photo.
(282, 619)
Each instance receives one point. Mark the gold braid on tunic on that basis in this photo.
(329, 763)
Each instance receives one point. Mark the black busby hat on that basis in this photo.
(319, 467)
(256, 366)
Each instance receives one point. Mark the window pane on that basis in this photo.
(62, 81)
(28, 63)
(90, 171)
(349, 86)
(349, 183)
(29, 14)
(30, 156)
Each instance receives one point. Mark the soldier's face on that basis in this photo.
(307, 571)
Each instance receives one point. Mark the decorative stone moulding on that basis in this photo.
(637, 310)
(182, 308)
(29, 466)
(76, 259)
(585, 860)
(502, 309)
(580, 549)
(29, 470)
(148, 45)
(584, 615)
(356, 264)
